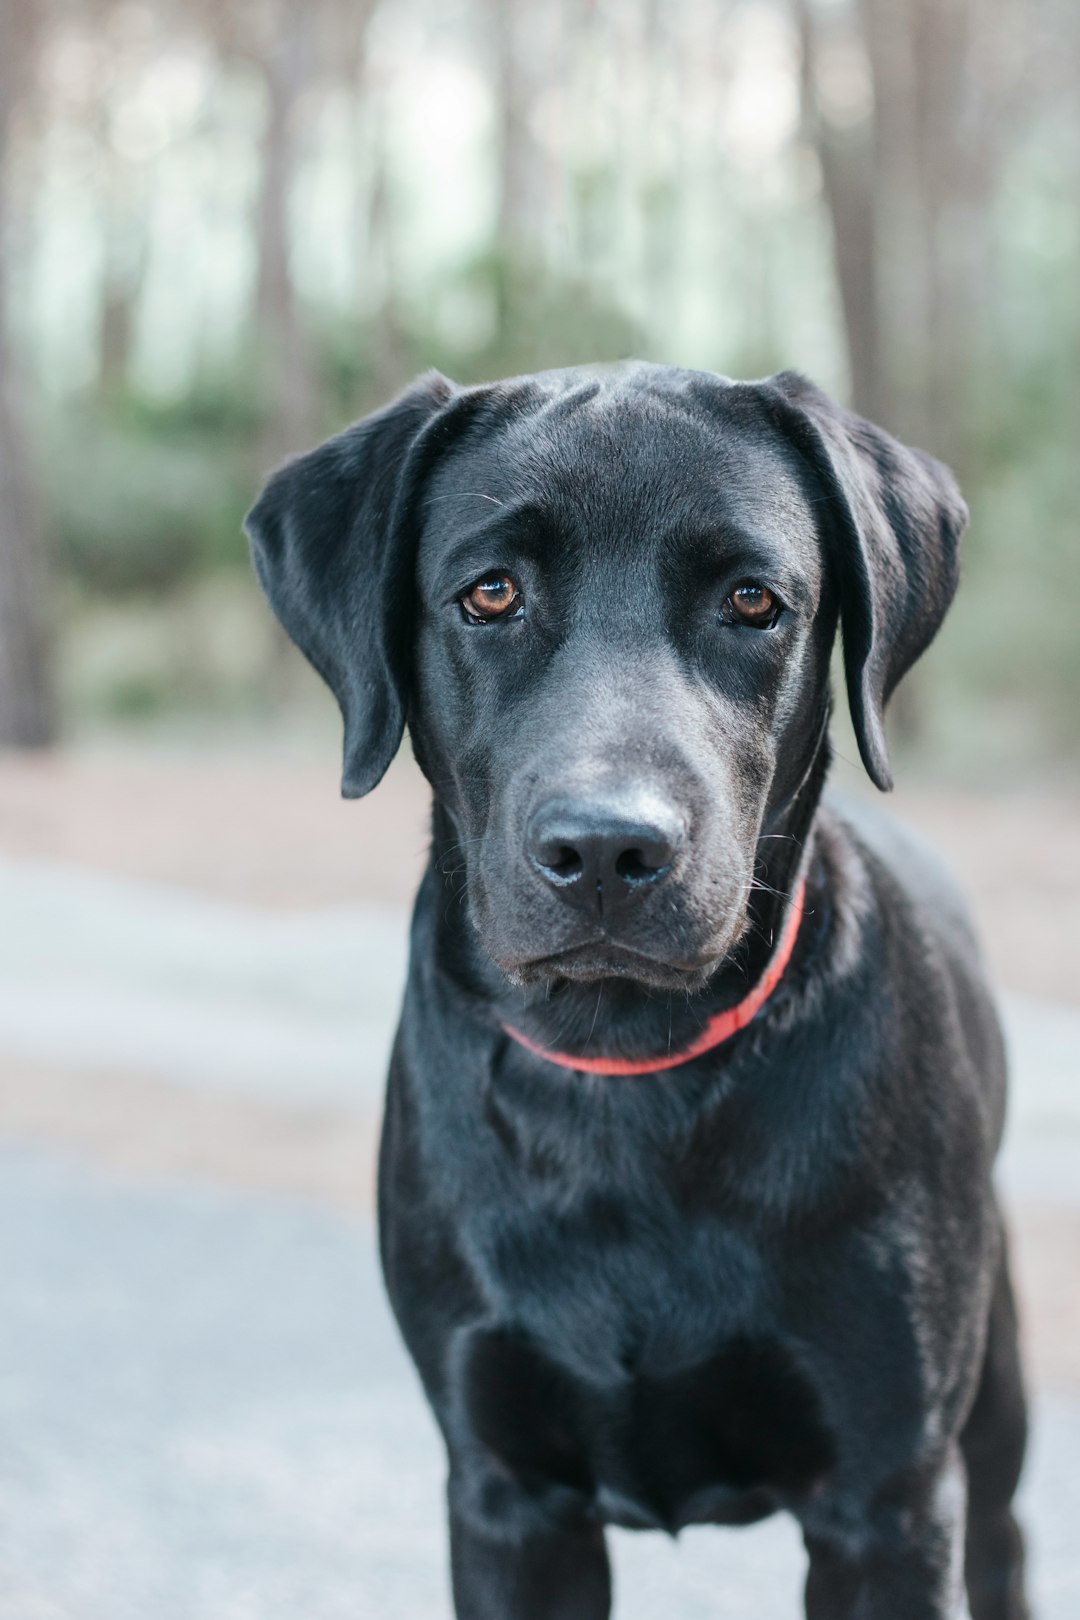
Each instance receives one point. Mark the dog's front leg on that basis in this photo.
(520, 1563)
(901, 1559)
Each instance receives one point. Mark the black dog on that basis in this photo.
(685, 1190)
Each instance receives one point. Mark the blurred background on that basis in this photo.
(226, 229)
(229, 228)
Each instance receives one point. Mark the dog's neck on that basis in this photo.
(639, 1022)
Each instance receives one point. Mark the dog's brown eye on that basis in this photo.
(752, 604)
(496, 597)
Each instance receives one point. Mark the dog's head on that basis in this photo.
(605, 604)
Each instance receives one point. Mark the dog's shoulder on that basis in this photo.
(887, 846)
(924, 912)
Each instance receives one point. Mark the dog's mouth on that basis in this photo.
(601, 959)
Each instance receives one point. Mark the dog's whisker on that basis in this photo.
(457, 494)
(767, 888)
(596, 1014)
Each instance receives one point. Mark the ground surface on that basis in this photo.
(206, 1413)
(207, 1416)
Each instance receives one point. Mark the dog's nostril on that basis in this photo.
(633, 866)
(566, 862)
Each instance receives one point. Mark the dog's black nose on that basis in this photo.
(599, 856)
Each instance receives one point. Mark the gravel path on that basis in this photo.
(207, 1416)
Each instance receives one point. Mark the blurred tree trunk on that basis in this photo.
(27, 713)
(907, 182)
(285, 61)
(660, 199)
(390, 353)
(517, 200)
(374, 232)
(124, 263)
(848, 181)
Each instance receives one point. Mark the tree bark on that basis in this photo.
(122, 276)
(847, 178)
(518, 201)
(283, 337)
(514, 211)
(27, 709)
(908, 193)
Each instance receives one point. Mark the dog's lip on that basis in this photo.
(602, 958)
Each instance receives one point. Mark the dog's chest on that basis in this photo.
(645, 1370)
(727, 1439)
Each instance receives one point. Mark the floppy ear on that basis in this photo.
(328, 543)
(895, 521)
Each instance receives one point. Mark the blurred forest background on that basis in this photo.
(229, 226)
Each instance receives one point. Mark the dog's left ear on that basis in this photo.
(895, 521)
(328, 547)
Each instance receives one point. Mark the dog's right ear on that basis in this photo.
(894, 518)
(328, 547)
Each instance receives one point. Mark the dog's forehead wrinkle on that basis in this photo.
(642, 485)
(626, 475)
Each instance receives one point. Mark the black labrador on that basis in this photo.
(685, 1186)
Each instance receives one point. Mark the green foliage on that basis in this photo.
(539, 322)
(495, 317)
(144, 497)
(147, 498)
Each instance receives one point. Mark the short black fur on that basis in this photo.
(771, 1278)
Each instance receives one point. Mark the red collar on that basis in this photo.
(718, 1029)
